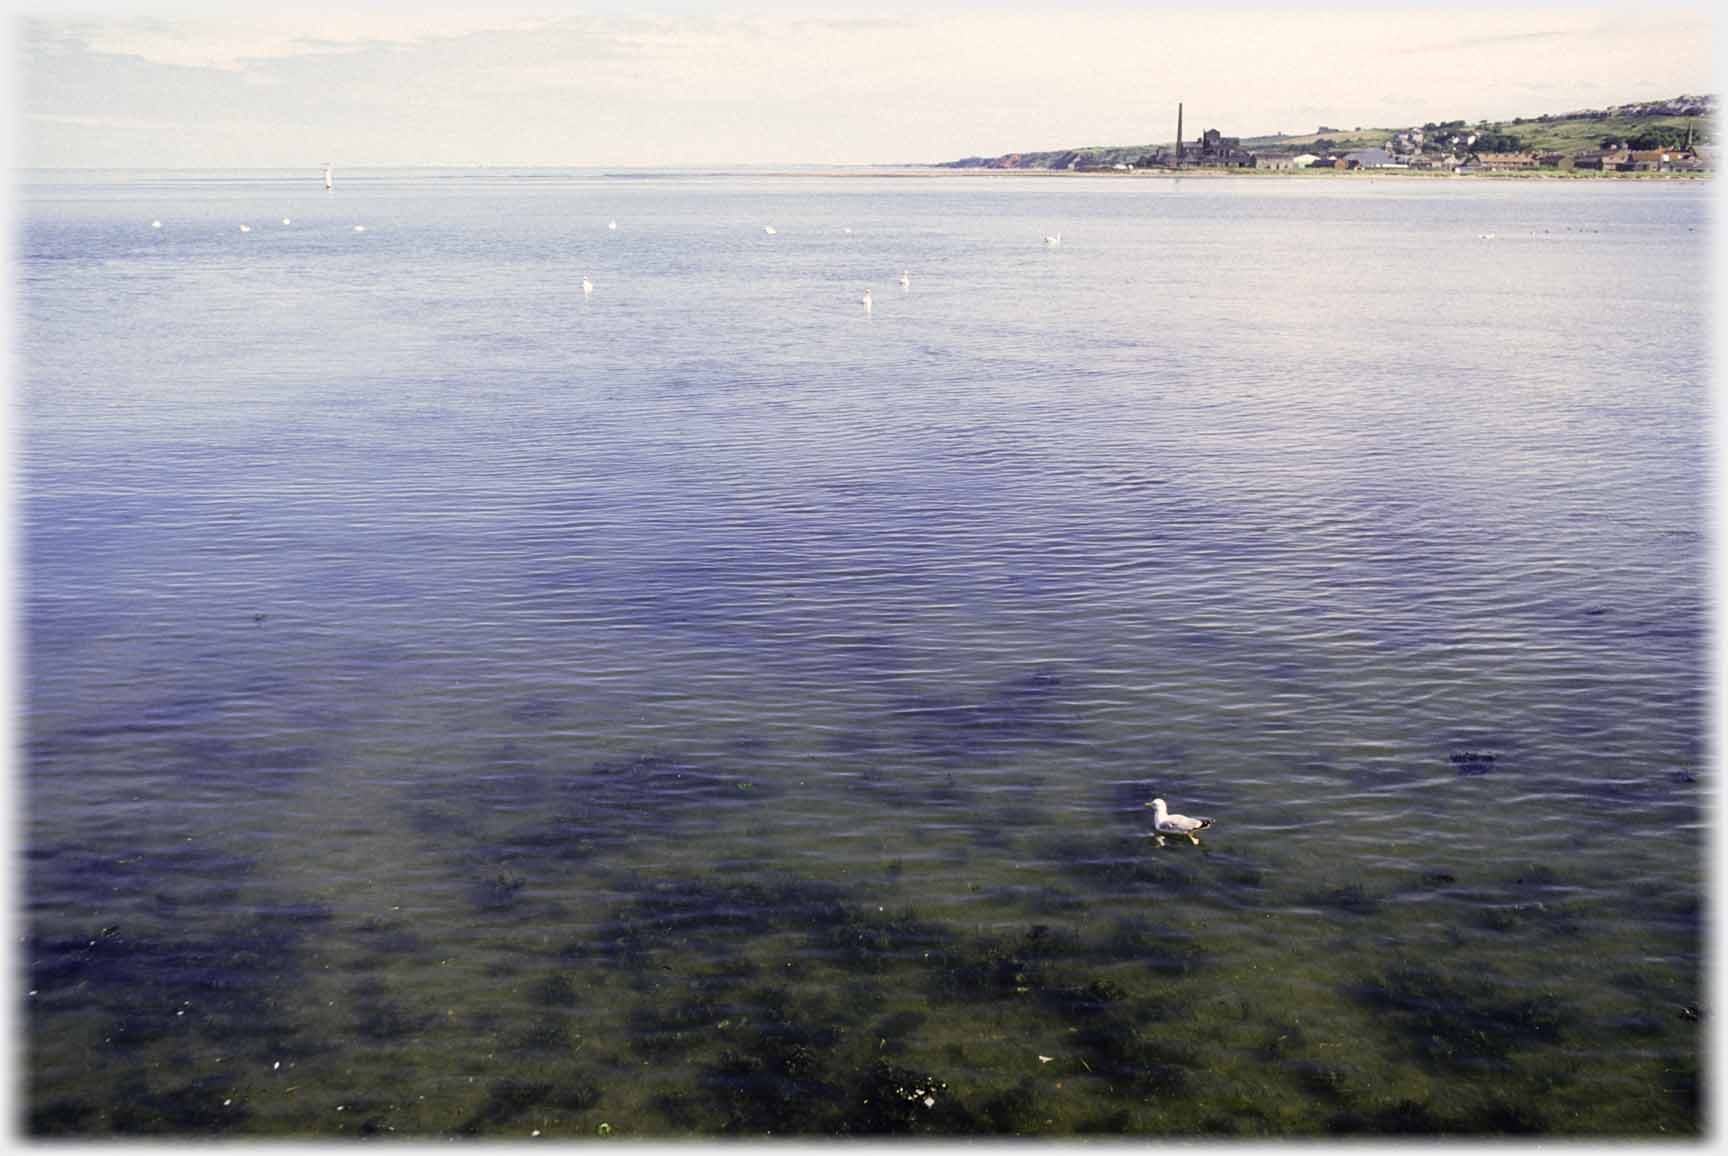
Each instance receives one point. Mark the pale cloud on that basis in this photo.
(203, 40)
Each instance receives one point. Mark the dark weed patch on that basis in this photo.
(1496, 1116)
(1461, 1023)
(896, 1101)
(1163, 950)
(1130, 1059)
(380, 1019)
(61, 1117)
(202, 1107)
(497, 891)
(1348, 898)
(1016, 1111)
(547, 1033)
(873, 941)
(387, 938)
(985, 969)
(1323, 1081)
(505, 1100)
(223, 985)
(176, 879)
(660, 1028)
(614, 802)
(1404, 1118)
(555, 990)
(1467, 763)
(694, 917)
(1122, 865)
(1028, 710)
(774, 1079)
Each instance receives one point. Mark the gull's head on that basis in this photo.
(1156, 804)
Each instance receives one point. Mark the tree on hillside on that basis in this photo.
(1661, 136)
(1498, 142)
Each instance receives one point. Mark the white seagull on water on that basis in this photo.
(1053, 240)
(770, 230)
(868, 304)
(1164, 823)
(905, 278)
(612, 224)
(587, 287)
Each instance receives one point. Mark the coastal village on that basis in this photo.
(1654, 137)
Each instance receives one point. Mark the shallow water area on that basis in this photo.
(455, 704)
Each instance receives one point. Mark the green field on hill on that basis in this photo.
(1569, 133)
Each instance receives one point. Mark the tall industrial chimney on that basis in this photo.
(1178, 134)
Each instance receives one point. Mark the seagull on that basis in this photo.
(905, 278)
(1164, 823)
(770, 230)
(359, 228)
(245, 228)
(868, 304)
(155, 224)
(587, 287)
(1054, 240)
(612, 224)
(847, 230)
(287, 220)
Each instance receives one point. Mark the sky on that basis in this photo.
(692, 83)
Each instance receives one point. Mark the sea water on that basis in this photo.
(453, 704)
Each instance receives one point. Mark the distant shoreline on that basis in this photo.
(30, 176)
(1324, 174)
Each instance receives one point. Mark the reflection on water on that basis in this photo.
(456, 706)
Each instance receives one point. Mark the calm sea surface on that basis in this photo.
(451, 704)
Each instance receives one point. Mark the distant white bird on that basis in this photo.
(587, 287)
(868, 304)
(770, 230)
(847, 230)
(328, 182)
(1053, 240)
(155, 224)
(359, 228)
(611, 224)
(1484, 236)
(245, 228)
(287, 220)
(1164, 823)
(905, 278)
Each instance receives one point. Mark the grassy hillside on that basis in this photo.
(1571, 132)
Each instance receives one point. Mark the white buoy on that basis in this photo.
(287, 220)
(155, 224)
(359, 228)
(770, 230)
(611, 224)
(587, 287)
(245, 228)
(329, 183)
(848, 230)
(905, 278)
(868, 304)
(1053, 240)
